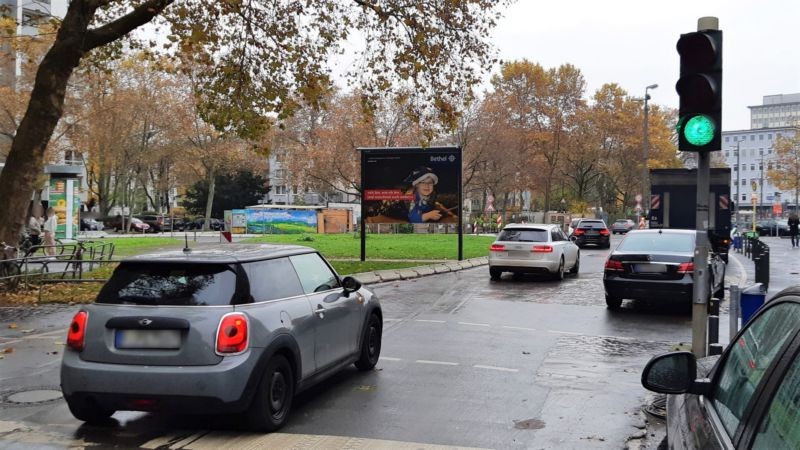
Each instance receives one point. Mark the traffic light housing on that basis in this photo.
(700, 91)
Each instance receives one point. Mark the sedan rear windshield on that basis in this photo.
(170, 285)
(523, 235)
(593, 225)
(658, 242)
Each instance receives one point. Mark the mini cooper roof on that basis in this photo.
(221, 253)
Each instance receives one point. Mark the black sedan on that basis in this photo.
(656, 265)
(748, 398)
(772, 227)
(592, 232)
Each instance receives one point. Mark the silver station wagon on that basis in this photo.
(219, 329)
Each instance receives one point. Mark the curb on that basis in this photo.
(381, 276)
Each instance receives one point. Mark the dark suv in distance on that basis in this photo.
(213, 224)
(231, 328)
(592, 232)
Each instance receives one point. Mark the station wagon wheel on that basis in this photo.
(273, 399)
(370, 344)
(576, 267)
(495, 273)
(613, 303)
(559, 275)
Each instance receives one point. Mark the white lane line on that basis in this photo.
(519, 328)
(441, 363)
(474, 324)
(429, 321)
(564, 332)
(389, 358)
(502, 369)
(391, 320)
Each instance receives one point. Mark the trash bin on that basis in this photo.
(752, 298)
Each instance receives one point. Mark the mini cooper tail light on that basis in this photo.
(497, 248)
(76, 336)
(232, 334)
(613, 265)
(542, 249)
(687, 267)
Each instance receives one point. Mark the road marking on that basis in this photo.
(565, 332)
(391, 320)
(502, 369)
(441, 363)
(389, 358)
(518, 328)
(430, 321)
(474, 324)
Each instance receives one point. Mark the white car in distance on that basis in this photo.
(533, 248)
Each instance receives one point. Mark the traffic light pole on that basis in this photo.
(700, 291)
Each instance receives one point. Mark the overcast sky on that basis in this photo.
(632, 43)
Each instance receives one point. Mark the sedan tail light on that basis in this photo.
(542, 249)
(614, 266)
(687, 267)
(76, 336)
(604, 232)
(578, 232)
(232, 334)
(497, 248)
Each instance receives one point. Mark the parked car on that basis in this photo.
(572, 225)
(174, 224)
(773, 227)
(88, 224)
(226, 328)
(622, 226)
(132, 223)
(658, 265)
(592, 231)
(156, 222)
(533, 248)
(747, 398)
(213, 225)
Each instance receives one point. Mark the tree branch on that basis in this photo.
(112, 31)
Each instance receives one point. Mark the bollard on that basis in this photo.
(765, 268)
(715, 349)
(735, 298)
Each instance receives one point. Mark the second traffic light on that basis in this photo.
(700, 91)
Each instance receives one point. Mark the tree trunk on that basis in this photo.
(212, 183)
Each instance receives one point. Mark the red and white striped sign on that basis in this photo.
(655, 201)
(724, 201)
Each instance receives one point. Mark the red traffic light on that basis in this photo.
(698, 51)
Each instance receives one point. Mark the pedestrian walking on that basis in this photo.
(50, 224)
(642, 224)
(794, 224)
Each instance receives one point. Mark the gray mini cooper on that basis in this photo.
(219, 329)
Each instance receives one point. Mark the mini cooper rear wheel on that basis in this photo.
(370, 344)
(89, 411)
(273, 398)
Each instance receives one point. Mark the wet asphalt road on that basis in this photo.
(517, 363)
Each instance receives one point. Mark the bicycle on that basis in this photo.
(31, 243)
(9, 268)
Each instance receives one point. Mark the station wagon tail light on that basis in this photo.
(497, 248)
(76, 336)
(687, 267)
(604, 232)
(613, 265)
(542, 249)
(232, 334)
(578, 232)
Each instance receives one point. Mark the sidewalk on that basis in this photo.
(784, 266)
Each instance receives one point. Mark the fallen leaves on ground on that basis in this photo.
(69, 293)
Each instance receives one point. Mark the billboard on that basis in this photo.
(278, 221)
(411, 185)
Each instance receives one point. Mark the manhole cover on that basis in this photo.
(32, 396)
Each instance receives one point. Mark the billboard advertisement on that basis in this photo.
(411, 185)
(64, 197)
(279, 221)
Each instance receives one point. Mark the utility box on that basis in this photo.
(752, 299)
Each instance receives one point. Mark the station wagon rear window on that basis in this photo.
(593, 224)
(523, 235)
(165, 284)
(658, 242)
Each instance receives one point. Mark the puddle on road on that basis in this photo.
(529, 424)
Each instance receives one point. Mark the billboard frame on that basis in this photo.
(371, 151)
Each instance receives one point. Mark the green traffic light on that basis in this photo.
(699, 130)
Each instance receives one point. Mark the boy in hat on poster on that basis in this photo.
(423, 207)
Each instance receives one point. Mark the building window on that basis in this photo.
(761, 151)
(726, 138)
(752, 137)
(727, 153)
(744, 197)
(744, 167)
(761, 166)
(752, 167)
(769, 166)
(735, 168)
(760, 137)
(744, 181)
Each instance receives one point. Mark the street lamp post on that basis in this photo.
(645, 145)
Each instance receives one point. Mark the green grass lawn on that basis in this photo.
(388, 246)
(138, 245)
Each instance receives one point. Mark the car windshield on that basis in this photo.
(621, 222)
(657, 242)
(170, 284)
(592, 224)
(523, 235)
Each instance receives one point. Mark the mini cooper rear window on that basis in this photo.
(170, 285)
(523, 235)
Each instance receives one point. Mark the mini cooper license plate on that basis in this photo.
(156, 339)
